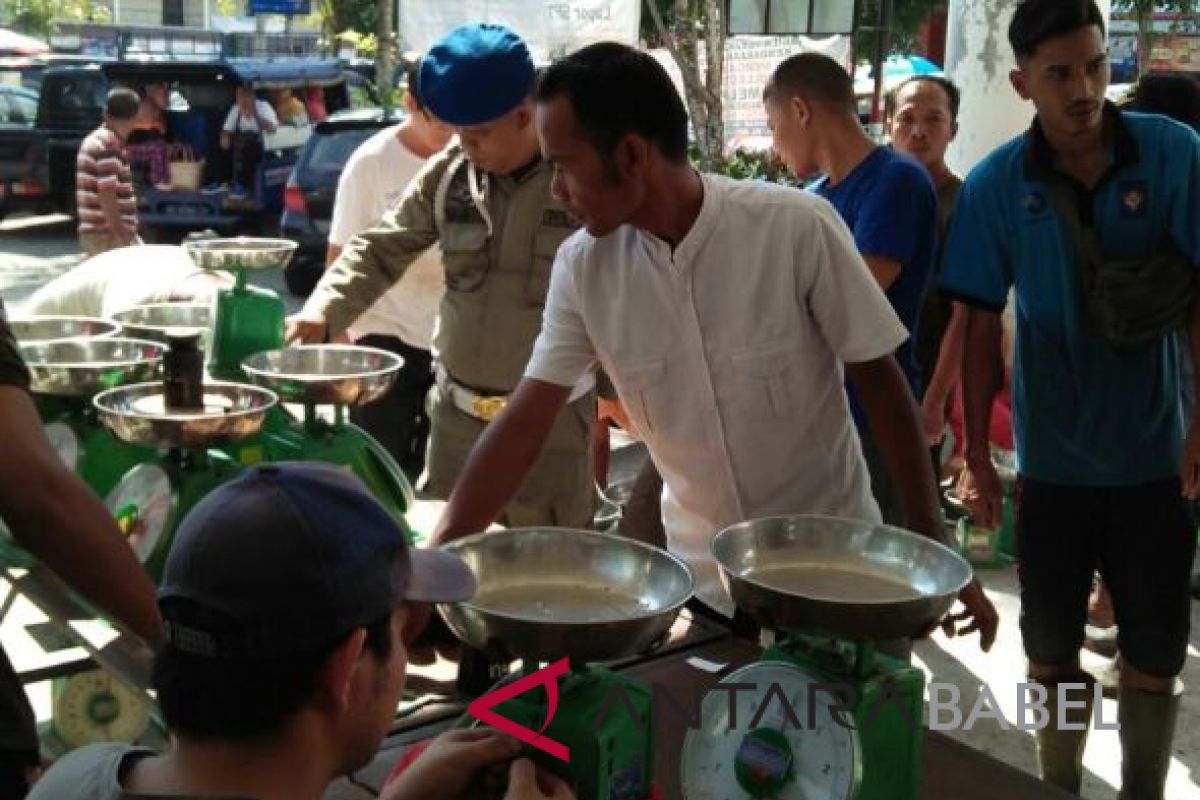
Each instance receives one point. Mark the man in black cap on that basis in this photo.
(288, 599)
(486, 199)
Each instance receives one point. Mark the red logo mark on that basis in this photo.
(481, 709)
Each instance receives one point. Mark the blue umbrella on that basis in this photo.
(896, 66)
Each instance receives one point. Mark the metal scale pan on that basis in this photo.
(157, 321)
(545, 593)
(137, 414)
(48, 328)
(325, 374)
(83, 367)
(240, 253)
(845, 578)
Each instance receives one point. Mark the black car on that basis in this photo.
(309, 194)
(18, 149)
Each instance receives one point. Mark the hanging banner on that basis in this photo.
(551, 28)
(749, 62)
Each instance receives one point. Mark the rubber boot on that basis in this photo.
(1147, 727)
(1060, 752)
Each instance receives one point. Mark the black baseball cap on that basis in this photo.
(289, 557)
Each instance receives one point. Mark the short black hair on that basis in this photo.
(236, 699)
(615, 90)
(1036, 21)
(814, 76)
(953, 95)
(412, 82)
(1174, 95)
(122, 104)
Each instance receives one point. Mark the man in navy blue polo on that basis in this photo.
(1105, 466)
(885, 198)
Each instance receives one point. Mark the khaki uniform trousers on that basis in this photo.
(559, 491)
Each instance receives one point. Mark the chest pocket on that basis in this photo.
(636, 387)
(545, 246)
(768, 378)
(465, 255)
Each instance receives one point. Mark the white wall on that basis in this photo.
(979, 59)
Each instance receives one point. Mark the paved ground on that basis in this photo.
(34, 250)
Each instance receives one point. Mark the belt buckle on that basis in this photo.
(488, 408)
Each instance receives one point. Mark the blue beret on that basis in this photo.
(475, 74)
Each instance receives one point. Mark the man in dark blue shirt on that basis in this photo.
(887, 200)
(1104, 462)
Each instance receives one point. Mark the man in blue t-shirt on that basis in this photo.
(887, 200)
(1104, 463)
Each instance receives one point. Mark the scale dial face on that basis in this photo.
(142, 503)
(65, 443)
(96, 707)
(772, 759)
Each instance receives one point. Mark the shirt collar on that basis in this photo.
(1040, 156)
(697, 236)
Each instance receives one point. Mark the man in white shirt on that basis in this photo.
(242, 135)
(120, 279)
(402, 320)
(723, 312)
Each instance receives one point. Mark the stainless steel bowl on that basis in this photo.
(337, 374)
(157, 321)
(82, 367)
(48, 328)
(809, 574)
(137, 414)
(240, 253)
(546, 593)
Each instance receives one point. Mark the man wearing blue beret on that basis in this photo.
(486, 199)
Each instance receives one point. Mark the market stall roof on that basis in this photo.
(18, 44)
(261, 73)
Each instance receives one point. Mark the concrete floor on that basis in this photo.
(961, 662)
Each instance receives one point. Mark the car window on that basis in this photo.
(23, 109)
(82, 92)
(329, 152)
(6, 110)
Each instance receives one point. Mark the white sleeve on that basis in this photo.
(230, 119)
(853, 313)
(267, 113)
(351, 204)
(563, 353)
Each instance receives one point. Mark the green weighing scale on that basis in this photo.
(153, 497)
(834, 588)
(340, 376)
(70, 359)
(248, 321)
(64, 376)
(548, 593)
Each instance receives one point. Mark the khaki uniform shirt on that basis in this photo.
(498, 234)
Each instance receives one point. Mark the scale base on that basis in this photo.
(887, 699)
(283, 438)
(610, 761)
(86, 446)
